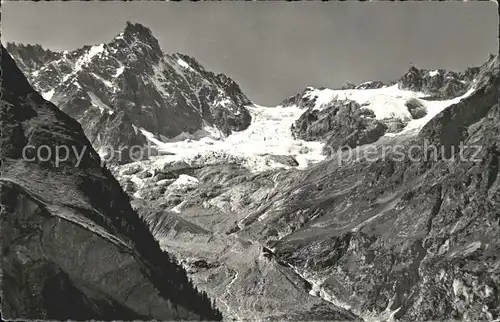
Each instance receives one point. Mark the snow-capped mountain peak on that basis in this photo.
(139, 39)
(164, 94)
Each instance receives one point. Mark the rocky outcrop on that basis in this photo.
(72, 246)
(298, 100)
(439, 84)
(453, 125)
(416, 108)
(128, 84)
(370, 85)
(348, 85)
(342, 124)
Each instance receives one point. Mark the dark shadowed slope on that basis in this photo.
(72, 247)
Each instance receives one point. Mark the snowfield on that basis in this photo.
(269, 133)
(433, 109)
(268, 142)
(385, 102)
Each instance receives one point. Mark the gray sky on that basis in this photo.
(275, 49)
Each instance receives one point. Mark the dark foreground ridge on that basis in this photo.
(72, 246)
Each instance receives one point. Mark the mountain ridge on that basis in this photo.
(159, 93)
(428, 80)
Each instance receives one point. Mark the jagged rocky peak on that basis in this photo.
(13, 81)
(225, 83)
(318, 220)
(137, 36)
(137, 30)
(32, 57)
(485, 71)
(161, 95)
(68, 232)
(438, 83)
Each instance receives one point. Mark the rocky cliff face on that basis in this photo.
(400, 230)
(342, 125)
(208, 202)
(129, 84)
(411, 235)
(72, 246)
(450, 127)
(440, 83)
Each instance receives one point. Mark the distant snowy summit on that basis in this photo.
(355, 115)
(118, 88)
(437, 84)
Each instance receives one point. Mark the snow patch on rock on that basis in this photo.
(433, 109)
(433, 73)
(48, 95)
(182, 63)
